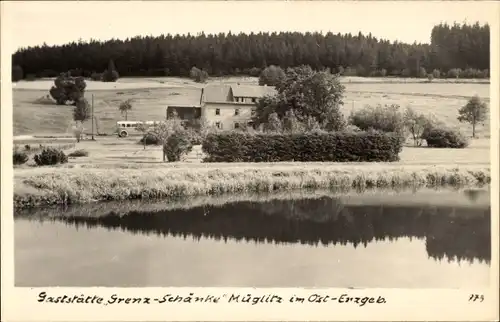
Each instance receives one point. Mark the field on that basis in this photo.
(35, 115)
(140, 173)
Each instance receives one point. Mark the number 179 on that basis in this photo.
(476, 298)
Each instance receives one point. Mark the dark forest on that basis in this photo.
(459, 50)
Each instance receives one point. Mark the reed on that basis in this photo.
(84, 185)
(436, 196)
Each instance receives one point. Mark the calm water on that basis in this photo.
(401, 240)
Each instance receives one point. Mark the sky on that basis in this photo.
(55, 22)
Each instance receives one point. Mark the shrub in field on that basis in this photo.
(254, 71)
(454, 73)
(445, 138)
(304, 147)
(406, 72)
(382, 118)
(436, 73)
(150, 139)
(422, 73)
(176, 146)
(110, 74)
(96, 76)
(416, 124)
(50, 156)
(17, 73)
(19, 157)
(27, 147)
(272, 76)
(79, 153)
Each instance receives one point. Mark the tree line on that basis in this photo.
(460, 48)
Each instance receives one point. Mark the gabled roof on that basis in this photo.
(252, 90)
(225, 93)
(217, 93)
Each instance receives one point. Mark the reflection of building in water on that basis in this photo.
(462, 233)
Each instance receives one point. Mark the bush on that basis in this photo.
(454, 73)
(304, 147)
(176, 146)
(193, 136)
(349, 71)
(79, 153)
(445, 138)
(417, 125)
(272, 76)
(17, 73)
(96, 76)
(50, 156)
(110, 76)
(151, 139)
(422, 73)
(382, 118)
(19, 157)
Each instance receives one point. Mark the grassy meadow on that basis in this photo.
(140, 173)
(33, 114)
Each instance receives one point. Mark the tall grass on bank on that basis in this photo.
(70, 186)
(436, 196)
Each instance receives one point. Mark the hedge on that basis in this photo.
(307, 147)
(445, 138)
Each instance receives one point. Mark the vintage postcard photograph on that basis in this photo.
(250, 160)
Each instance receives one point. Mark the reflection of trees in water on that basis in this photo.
(462, 233)
(474, 194)
(459, 237)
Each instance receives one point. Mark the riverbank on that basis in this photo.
(417, 197)
(50, 186)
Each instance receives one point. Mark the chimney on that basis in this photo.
(201, 96)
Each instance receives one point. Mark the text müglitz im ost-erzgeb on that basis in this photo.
(44, 297)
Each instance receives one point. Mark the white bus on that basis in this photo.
(127, 128)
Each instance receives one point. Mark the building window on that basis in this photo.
(237, 112)
(236, 125)
(254, 100)
(218, 125)
(217, 111)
